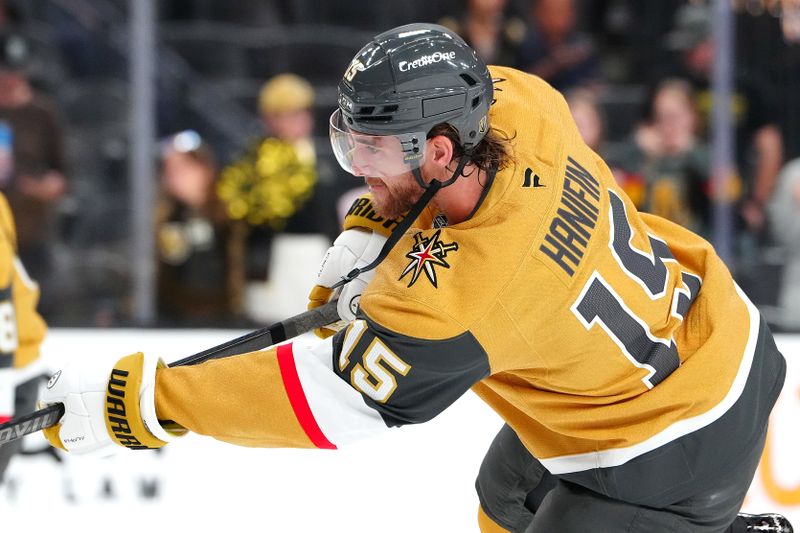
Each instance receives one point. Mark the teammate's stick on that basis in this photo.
(291, 327)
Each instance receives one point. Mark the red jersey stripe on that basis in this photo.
(297, 397)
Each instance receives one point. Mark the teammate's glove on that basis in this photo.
(106, 408)
(357, 246)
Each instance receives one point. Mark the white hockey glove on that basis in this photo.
(107, 407)
(357, 246)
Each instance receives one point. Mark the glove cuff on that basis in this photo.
(132, 379)
(362, 214)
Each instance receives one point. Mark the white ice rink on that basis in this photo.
(415, 479)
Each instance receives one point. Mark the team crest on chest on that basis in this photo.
(427, 254)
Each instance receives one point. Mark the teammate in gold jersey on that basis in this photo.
(631, 370)
(21, 333)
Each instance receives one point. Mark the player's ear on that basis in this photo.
(440, 150)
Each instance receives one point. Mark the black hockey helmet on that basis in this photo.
(402, 84)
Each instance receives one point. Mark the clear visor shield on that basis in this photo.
(377, 156)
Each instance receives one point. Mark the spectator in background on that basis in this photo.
(197, 278)
(281, 187)
(664, 167)
(588, 117)
(487, 27)
(553, 48)
(275, 177)
(759, 142)
(785, 224)
(790, 23)
(32, 174)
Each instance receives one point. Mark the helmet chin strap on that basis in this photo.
(459, 169)
(430, 191)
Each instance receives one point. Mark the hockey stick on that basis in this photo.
(256, 340)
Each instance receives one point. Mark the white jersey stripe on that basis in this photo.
(339, 410)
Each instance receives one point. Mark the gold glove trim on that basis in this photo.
(123, 416)
(52, 434)
(318, 296)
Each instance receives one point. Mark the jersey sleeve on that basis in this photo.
(406, 379)
(284, 397)
(321, 393)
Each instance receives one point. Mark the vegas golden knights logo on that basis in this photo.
(355, 67)
(427, 254)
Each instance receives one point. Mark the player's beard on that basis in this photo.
(393, 197)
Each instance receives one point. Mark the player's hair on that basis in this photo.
(493, 151)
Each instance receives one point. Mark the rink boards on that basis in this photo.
(417, 478)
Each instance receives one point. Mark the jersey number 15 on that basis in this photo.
(598, 302)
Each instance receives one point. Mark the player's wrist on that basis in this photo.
(128, 389)
(147, 404)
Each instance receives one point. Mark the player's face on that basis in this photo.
(384, 161)
(393, 197)
(377, 156)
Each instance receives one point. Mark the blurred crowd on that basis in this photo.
(249, 196)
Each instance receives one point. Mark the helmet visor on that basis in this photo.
(386, 156)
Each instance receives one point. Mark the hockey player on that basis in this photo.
(635, 377)
(21, 333)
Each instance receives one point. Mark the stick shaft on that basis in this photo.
(256, 340)
(30, 423)
(274, 334)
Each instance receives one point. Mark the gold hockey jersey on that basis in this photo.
(21, 327)
(607, 332)
(597, 332)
